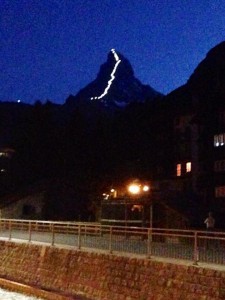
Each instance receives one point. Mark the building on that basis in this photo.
(197, 158)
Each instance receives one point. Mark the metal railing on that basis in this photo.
(194, 245)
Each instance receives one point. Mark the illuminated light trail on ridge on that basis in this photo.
(118, 61)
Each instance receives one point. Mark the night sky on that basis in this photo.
(52, 48)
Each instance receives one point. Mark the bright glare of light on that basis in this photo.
(145, 188)
(18, 101)
(134, 189)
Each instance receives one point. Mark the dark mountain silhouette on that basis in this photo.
(115, 85)
(205, 87)
(208, 78)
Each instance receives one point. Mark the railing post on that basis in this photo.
(79, 236)
(85, 230)
(151, 216)
(110, 239)
(30, 225)
(149, 245)
(196, 253)
(53, 234)
(10, 230)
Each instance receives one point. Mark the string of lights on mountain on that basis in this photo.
(112, 76)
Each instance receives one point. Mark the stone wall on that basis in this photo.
(104, 276)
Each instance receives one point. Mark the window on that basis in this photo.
(220, 191)
(219, 165)
(4, 154)
(178, 169)
(183, 168)
(219, 140)
(188, 167)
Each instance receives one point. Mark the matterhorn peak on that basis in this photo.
(115, 84)
(114, 60)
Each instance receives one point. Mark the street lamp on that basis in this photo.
(134, 188)
(113, 193)
(146, 188)
(137, 189)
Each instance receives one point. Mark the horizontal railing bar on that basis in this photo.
(45, 224)
(206, 246)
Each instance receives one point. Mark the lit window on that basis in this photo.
(4, 154)
(188, 167)
(216, 141)
(178, 169)
(220, 191)
(219, 140)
